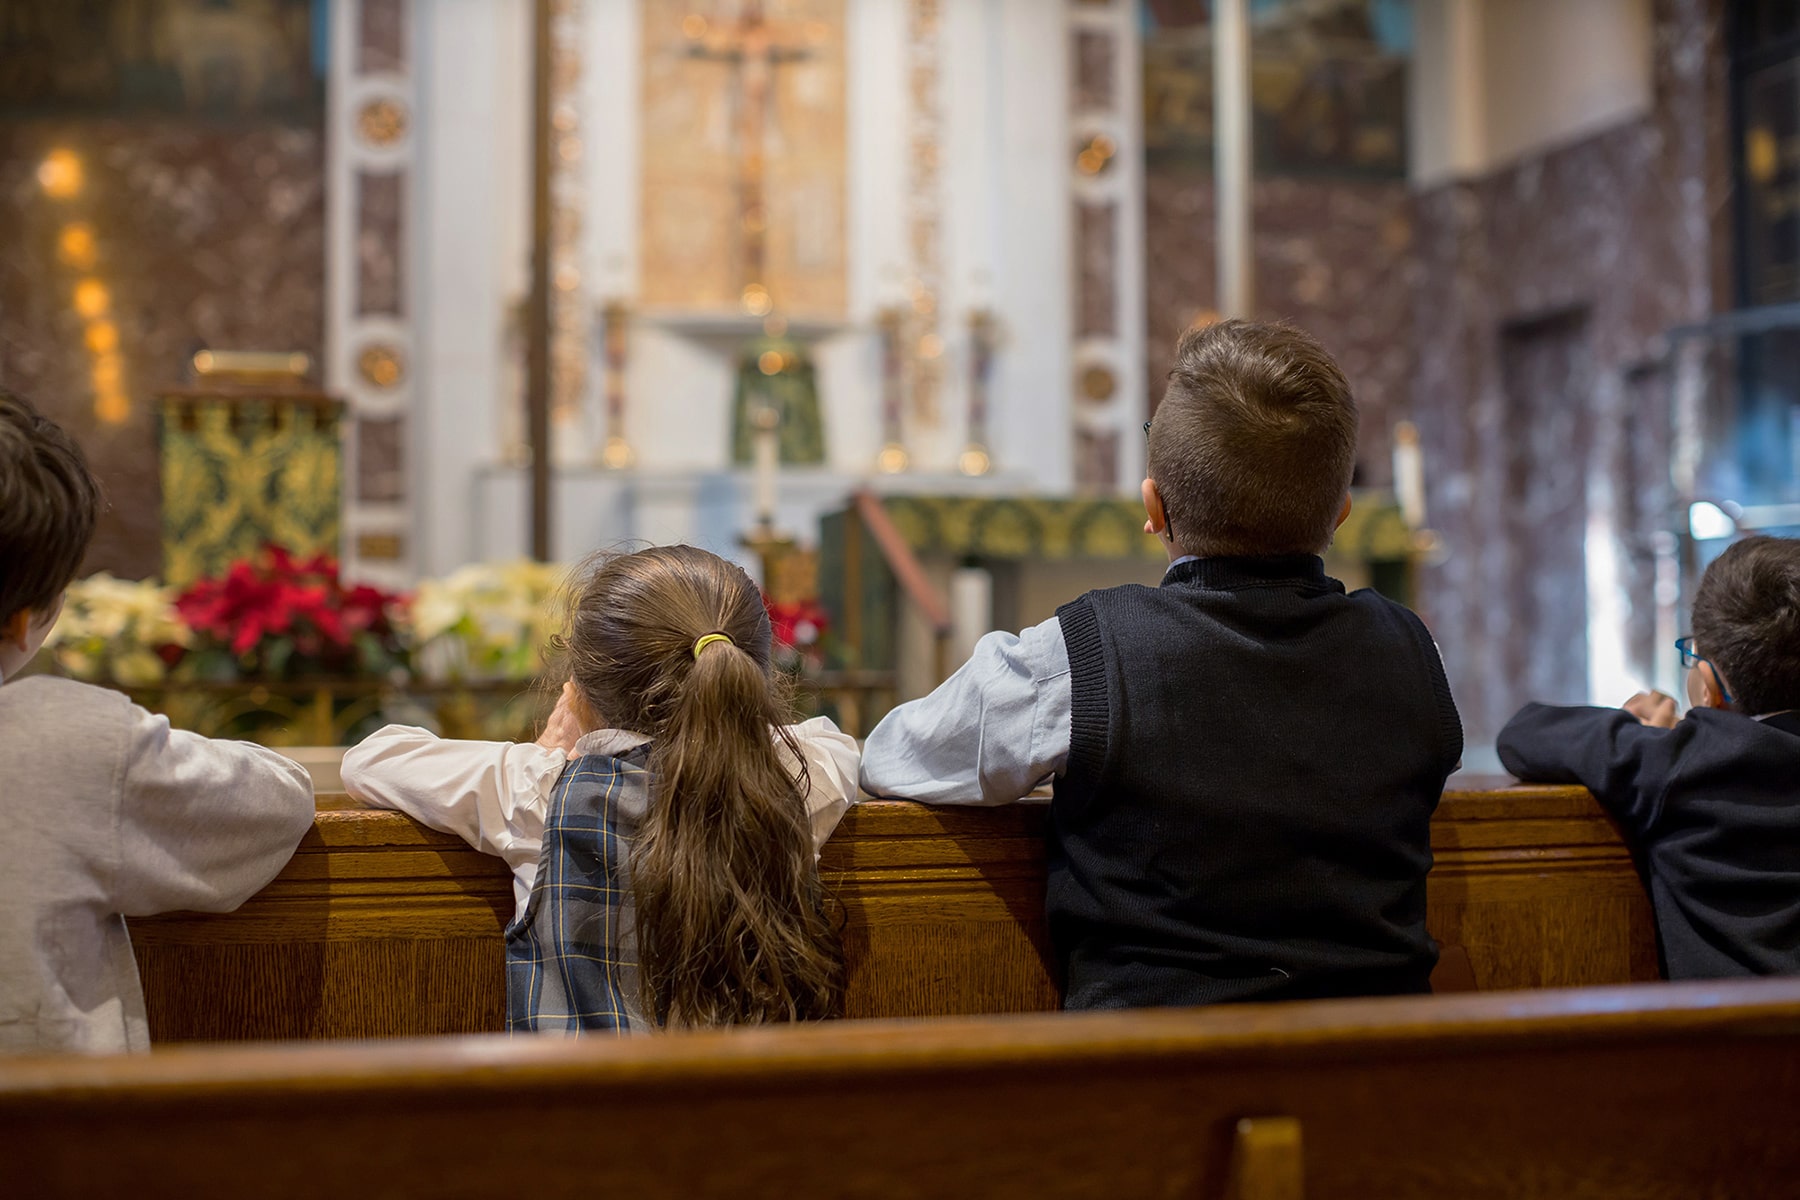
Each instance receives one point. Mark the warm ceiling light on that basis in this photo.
(112, 407)
(102, 337)
(60, 174)
(76, 245)
(92, 298)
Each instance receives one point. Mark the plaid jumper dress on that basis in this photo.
(571, 956)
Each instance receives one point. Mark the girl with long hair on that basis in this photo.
(663, 832)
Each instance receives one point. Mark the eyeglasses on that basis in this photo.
(1690, 660)
(1168, 526)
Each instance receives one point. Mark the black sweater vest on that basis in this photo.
(1254, 760)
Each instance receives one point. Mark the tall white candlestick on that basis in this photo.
(1409, 474)
(971, 609)
(768, 453)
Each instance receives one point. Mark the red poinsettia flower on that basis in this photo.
(282, 615)
(799, 623)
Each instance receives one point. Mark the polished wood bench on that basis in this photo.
(380, 927)
(1679, 1091)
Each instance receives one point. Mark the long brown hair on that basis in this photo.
(731, 924)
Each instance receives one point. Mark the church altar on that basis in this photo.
(886, 183)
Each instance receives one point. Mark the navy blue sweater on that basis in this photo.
(1712, 810)
(1254, 759)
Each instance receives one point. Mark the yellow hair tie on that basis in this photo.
(708, 640)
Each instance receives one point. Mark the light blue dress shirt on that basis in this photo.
(989, 734)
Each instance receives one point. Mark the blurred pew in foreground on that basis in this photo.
(1678, 1091)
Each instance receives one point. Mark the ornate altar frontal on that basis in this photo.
(242, 470)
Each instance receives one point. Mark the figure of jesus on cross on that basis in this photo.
(754, 46)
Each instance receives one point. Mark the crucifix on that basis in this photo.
(754, 47)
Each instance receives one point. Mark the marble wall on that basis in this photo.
(1543, 291)
(200, 235)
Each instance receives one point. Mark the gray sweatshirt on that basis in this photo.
(107, 813)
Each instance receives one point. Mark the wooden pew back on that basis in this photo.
(1673, 1091)
(380, 927)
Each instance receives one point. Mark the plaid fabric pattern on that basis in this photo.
(571, 957)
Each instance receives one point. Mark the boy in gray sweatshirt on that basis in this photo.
(105, 811)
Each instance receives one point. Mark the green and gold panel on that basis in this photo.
(243, 471)
(1054, 529)
(1043, 528)
(1375, 547)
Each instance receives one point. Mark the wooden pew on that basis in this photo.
(380, 927)
(1533, 887)
(1680, 1091)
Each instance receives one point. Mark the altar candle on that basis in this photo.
(891, 387)
(767, 453)
(971, 609)
(1409, 474)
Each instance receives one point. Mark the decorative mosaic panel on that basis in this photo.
(1106, 196)
(370, 356)
(380, 230)
(381, 36)
(380, 460)
(1096, 270)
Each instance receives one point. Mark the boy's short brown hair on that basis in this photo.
(1747, 622)
(48, 501)
(1255, 440)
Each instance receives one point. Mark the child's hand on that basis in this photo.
(563, 729)
(1652, 708)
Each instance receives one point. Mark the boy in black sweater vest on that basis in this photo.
(1711, 803)
(1246, 759)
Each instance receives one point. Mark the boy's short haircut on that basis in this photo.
(48, 502)
(1254, 443)
(1747, 623)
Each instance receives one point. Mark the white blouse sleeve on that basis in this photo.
(830, 757)
(493, 795)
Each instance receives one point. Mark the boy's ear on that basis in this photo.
(1153, 507)
(1712, 695)
(1344, 512)
(16, 628)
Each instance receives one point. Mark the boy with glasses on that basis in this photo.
(1710, 803)
(1246, 758)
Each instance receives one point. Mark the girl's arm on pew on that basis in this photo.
(494, 795)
